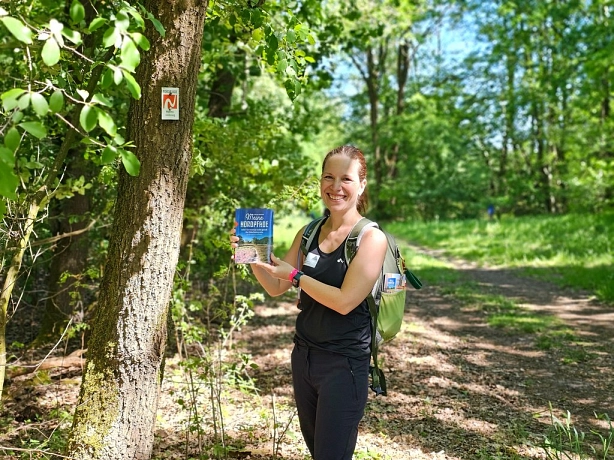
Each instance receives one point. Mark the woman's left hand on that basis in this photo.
(278, 268)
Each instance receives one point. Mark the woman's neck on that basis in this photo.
(349, 218)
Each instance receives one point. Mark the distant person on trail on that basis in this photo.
(331, 355)
(491, 211)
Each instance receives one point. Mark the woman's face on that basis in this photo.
(340, 185)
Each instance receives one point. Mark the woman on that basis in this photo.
(330, 359)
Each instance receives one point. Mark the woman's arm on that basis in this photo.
(359, 280)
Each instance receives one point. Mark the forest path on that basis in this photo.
(459, 388)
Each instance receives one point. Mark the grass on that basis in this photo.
(500, 312)
(575, 250)
(284, 231)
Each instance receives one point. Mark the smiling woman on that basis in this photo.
(344, 172)
(331, 356)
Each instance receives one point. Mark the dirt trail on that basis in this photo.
(505, 380)
(460, 389)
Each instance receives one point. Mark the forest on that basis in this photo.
(114, 250)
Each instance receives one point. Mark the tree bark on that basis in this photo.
(403, 62)
(116, 413)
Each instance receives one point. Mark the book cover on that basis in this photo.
(393, 282)
(255, 232)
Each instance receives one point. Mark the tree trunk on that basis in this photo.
(372, 76)
(116, 413)
(221, 90)
(403, 62)
(604, 118)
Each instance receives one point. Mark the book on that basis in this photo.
(394, 282)
(255, 232)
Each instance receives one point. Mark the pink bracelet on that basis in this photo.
(292, 274)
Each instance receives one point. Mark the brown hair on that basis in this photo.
(353, 153)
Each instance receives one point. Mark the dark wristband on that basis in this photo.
(296, 279)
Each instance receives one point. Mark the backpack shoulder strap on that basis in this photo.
(378, 381)
(308, 235)
(353, 241)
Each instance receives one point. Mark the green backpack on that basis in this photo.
(387, 298)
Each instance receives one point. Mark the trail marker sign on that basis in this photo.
(170, 103)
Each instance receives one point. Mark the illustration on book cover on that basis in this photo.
(394, 282)
(255, 232)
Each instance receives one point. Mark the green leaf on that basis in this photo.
(19, 30)
(24, 102)
(106, 122)
(118, 76)
(107, 79)
(51, 52)
(33, 165)
(131, 162)
(56, 101)
(2, 209)
(140, 40)
(88, 141)
(101, 99)
(110, 37)
(17, 116)
(122, 20)
(39, 104)
(291, 36)
(257, 18)
(258, 35)
(7, 157)
(88, 118)
(273, 42)
(72, 35)
(12, 139)
(108, 155)
(35, 128)
(8, 181)
(293, 88)
(133, 86)
(137, 18)
(130, 56)
(9, 98)
(77, 12)
(157, 24)
(96, 24)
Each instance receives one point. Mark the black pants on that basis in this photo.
(331, 393)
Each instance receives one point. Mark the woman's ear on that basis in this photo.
(363, 186)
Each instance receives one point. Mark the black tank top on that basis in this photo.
(323, 328)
